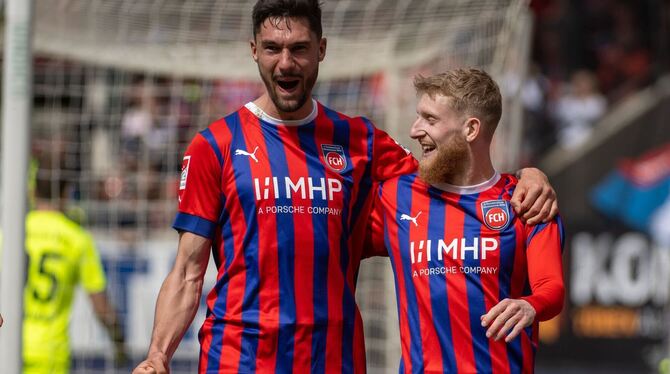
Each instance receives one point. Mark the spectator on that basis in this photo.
(578, 110)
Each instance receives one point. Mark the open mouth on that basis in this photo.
(427, 149)
(288, 84)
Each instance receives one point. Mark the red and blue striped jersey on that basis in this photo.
(286, 206)
(456, 253)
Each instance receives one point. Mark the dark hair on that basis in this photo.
(50, 189)
(278, 9)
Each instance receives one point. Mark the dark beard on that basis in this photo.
(449, 162)
(289, 106)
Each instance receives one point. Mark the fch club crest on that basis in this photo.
(333, 155)
(495, 214)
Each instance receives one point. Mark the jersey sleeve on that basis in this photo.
(544, 246)
(390, 159)
(91, 273)
(374, 233)
(199, 189)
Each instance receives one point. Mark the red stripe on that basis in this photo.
(457, 292)
(323, 134)
(358, 152)
(527, 351)
(304, 255)
(390, 194)
(268, 292)
(205, 344)
(432, 354)
(490, 282)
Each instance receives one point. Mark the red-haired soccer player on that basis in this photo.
(472, 279)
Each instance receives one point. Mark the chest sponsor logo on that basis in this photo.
(495, 214)
(334, 157)
(184, 172)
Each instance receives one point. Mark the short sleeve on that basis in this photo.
(92, 275)
(199, 189)
(390, 159)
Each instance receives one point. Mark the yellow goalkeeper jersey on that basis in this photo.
(61, 255)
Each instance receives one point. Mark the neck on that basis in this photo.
(42, 204)
(268, 106)
(477, 169)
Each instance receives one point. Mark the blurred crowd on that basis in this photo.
(588, 55)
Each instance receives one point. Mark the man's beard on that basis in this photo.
(289, 106)
(449, 161)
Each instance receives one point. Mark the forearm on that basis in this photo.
(176, 307)
(547, 300)
(107, 316)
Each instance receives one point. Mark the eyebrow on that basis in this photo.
(294, 44)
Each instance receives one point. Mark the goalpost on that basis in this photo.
(120, 86)
(17, 99)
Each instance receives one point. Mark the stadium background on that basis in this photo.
(120, 87)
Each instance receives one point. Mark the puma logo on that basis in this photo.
(239, 152)
(405, 217)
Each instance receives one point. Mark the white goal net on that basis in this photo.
(121, 86)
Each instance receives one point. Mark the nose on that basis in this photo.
(416, 131)
(286, 61)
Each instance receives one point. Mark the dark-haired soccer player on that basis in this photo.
(472, 279)
(280, 191)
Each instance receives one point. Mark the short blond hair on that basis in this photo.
(472, 91)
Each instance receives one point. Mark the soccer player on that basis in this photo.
(61, 255)
(281, 192)
(472, 279)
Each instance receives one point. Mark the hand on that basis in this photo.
(509, 314)
(534, 200)
(0, 320)
(156, 363)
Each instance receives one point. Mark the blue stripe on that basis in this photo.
(321, 252)
(194, 224)
(507, 258)
(341, 131)
(333, 115)
(561, 231)
(221, 287)
(207, 134)
(438, 284)
(404, 204)
(474, 288)
(285, 255)
(246, 197)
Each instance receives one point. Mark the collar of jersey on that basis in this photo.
(260, 113)
(468, 190)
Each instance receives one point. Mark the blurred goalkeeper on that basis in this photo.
(61, 255)
(279, 192)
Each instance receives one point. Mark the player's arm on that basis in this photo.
(545, 275)
(106, 313)
(0, 320)
(177, 302)
(390, 159)
(534, 200)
